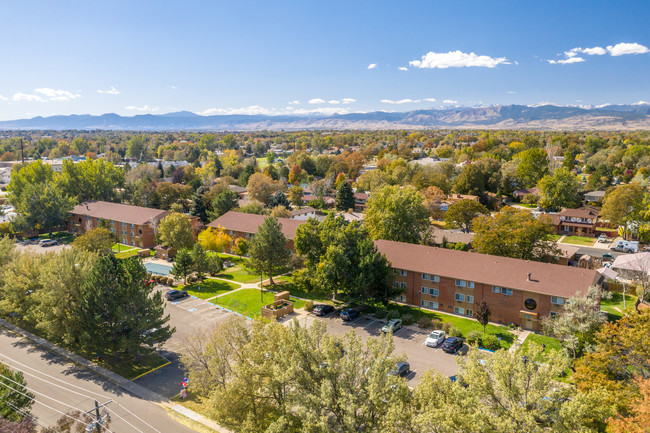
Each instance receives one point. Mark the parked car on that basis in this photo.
(626, 246)
(452, 344)
(322, 309)
(401, 369)
(602, 238)
(349, 314)
(175, 294)
(435, 339)
(47, 242)
(608, 256)
(392, 326)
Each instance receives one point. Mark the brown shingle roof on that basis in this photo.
(582, 212)
(546, 278)
(249, 223)
(118, 212)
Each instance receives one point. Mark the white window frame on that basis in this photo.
(556, 300)
(434, 278)
(459, 310)
(433, 305)
(402, 272)
(402, 285)
(469, 299)
(469, 312)
(470, 284)
(496, 289)
(425, 276)
(459, 297)
(434, 292)
(402, 298)
(396, 284)
(424, 290)
(461, 283)
(554, 314)
(505, 291)
(423, 303)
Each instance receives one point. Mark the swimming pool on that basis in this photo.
(157, 268)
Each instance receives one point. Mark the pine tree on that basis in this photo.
(344, 197)
(268, 249)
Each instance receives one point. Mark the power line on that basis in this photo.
(27, 414)
(128, 412)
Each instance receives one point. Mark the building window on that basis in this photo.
(530, 304)
(132, 243)
(395, 284)
(132, 226)
(434, 278)
(423, 303)
(425, 276)
(557, 301)
(123, 224)
(394, 271)
(402, 285)
(469, 313)
(433, 292)
(459, 310)
(553, 314)
(402, 298)
(469, 299)
(123, 232)
(433, 305)
(496, 289)
(459, 297)
(470, 284)
(461, 283)
(403, 273)
(132, 234)
(507, 292)
(424, 290)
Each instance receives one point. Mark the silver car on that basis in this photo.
(435, 339)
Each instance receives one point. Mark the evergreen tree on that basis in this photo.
(268, 249)
(182, 264)
(344, 197)
(120, 315)
(279, 199)
(224, 202)
(200, 206)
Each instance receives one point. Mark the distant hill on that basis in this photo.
(610, 117)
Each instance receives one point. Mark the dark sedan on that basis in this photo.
(175, 294)
(402, 369)
(452, 344)
(349, 314)
(322, 309)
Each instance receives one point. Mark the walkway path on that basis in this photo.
(521, 337)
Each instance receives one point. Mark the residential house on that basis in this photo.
(304, 213)
(360, 201)
(581, 221)
(517, 291)
(245, 225)
(594, 196)
(132, 225)
(520, 193)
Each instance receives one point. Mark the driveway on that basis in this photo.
(34, 248)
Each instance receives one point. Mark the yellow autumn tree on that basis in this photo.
(215, 239)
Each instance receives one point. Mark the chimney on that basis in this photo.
(528, 277)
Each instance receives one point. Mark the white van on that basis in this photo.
(626, 246)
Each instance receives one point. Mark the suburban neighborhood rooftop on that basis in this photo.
(118, 212)
(545, 278)
(249, 223)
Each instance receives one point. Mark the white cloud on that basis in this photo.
(294, 102)
(57, 95)
(641, 103)
(348, 100)
(325, 110)
(316, 101)
(407, 101)
(19, 96)
(429, 99)
(334, 102)
(372, 66)
(250, 110)
(403, 68)
(3, 98)
(449, 101)
(627, 48)
(144, 108)
(511, 92)
(567, 61)
(595, 51)
(456, 59)
(110, 91)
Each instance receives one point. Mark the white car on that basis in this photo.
(435, 339)
(602, 238)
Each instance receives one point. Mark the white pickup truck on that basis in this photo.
(626, 246)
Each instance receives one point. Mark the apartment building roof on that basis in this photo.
(249, 223)
(118, 212)
(545, 278)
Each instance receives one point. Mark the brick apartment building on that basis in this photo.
(245, 225)
(517, 291)
(132, 225)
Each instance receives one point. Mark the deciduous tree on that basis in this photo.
(559, 190)
(462, 213)
(261, 187)
(97, 240)
(215, 239)
(397, 214)
(14, 397)
(176, 231)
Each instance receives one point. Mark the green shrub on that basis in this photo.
(407, 319)
(473, 337)
(446, 327)
(380, 313)
(425, 322)
(309, 305)
(170, 281)
(455, 332)
(490, 342)
(392, 314)
(436, 324)
(460, 246)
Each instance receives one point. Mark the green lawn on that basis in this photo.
(285, 282)
(239, 273)
(550, 342)
(465, 325)
(555, 238)
(121, 248)
(247, 302)
(528, 206)
(579, 240)
(61, 237)
(612, 306)
(208, 288)
(129, 369)
(262, 162)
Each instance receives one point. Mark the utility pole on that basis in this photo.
(99, 419)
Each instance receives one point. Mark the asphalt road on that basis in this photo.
(59, 386)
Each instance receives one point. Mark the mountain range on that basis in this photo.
(548, 117)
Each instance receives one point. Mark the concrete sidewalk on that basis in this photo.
(120, 381)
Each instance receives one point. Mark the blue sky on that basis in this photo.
(276, 57)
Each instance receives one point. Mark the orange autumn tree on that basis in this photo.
(639, 420)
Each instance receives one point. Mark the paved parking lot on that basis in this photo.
(33, 247)
(408, 341)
